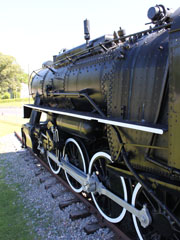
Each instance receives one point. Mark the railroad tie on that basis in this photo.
(79, 214)
(35, 161)
(51, 184)
(38, 171)
(66, 203)
(58, 194)
(92, 227)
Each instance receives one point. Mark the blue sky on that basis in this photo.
(34, 30)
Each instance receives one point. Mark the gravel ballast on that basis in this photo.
(44, 215)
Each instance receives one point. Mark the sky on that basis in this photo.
(33, 31)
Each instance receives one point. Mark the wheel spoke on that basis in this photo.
(80, 163)
(149, 200)
(95, 168)
(71, 151)
(77, 155)
(176, 230)
(165, 197)
(102, 167)
(175, 236)
(176, 205)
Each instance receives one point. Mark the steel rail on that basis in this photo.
(119, 235)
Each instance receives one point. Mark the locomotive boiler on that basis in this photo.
(107, 113)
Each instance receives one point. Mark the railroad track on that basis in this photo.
(84, 198)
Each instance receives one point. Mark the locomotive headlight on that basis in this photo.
(156, 13)
(159, 14)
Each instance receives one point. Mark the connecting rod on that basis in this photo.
(91, 183)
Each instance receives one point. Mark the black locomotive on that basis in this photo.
(112, 122)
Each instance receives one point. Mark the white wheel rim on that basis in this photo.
(57, 155)
(121, 216)
(135, 192)
(78, 190)
(52, 169)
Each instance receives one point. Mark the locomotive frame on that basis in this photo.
(109, 142)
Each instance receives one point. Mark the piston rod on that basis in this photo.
(91, 183)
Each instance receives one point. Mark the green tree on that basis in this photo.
(6, 95)
(11, 75)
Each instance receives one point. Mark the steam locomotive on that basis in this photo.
(107, 114)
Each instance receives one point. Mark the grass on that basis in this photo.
(18, 102)
(13, 225)
(11, 122)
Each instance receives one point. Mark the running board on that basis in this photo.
(131, 125)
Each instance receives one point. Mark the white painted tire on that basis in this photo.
(51, 167)
(135, 192)
(123, 212)
(57, 155)
(72, 140)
